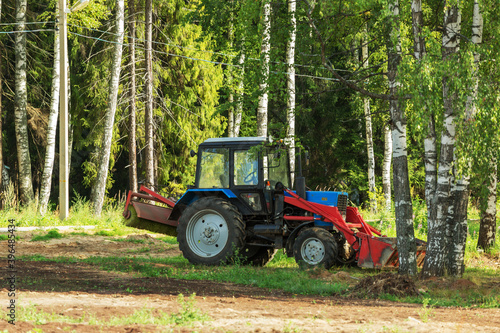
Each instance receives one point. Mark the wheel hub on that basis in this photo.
(313, 251)
(210, 234)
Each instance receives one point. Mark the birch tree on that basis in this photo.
(368, 127)
(51, 127)
(386, 167)
(99, 188)
(263, 85)
(1, 118)
(238, 112)
(132, 148)
(149, 158)
(20, 104)
(436, 247)
(403, 205)
(290, 80)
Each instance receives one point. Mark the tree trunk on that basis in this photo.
(430, 151)
(386, 167)
(403, 205)
(132, 148)
(51, 126)
(457, 226)
(487, 228)
(149, 158)
(437, 240)
(240, 91)
(369, 132)
(99, 188)
(20, 103)
(230, 79)
(290, 83)
(263, 86)
(1, 119)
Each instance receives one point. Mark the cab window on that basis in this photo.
(246, 167)
(214, 171)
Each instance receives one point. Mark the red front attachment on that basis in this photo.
(371, 251)
(149, 211)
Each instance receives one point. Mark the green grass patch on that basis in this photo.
(52, 234)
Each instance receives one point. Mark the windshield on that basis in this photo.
(214, 171)
(278, 167)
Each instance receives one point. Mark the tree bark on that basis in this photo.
(1, 119)
(487, 228)
(240, 91)
(51, 127)
(457, 221)
(437, 237)
(369, 132)
(99, 188)
(430, 152)
(230, 79)
(149, 121)
(403, 205)
(132, 148)
(20, 104)
(290, 81)
(263, 86)
(386, 167)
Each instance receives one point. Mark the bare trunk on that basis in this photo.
(99, 188)
(386, 167)
(20, 103)
(230, 115)
(240, 92)
(263, 86)
(132, 148)
(1, 119)
(458, 216)
(45, 187)
(290, 103)
(369, 132)
(487, 229)
(149, 159)
(430, 150)
(402, 197)
(437, 240)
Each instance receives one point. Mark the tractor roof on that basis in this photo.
(235, 141)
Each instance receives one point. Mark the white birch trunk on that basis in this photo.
(51, 127)
(430, 151)
(230, 115)
(149, 158)
(20, 104)
(437, 240)
(263, 86)
(487, 229)
(386, 167)
(290, 103)
(369, 132)
(402, 197)
(240, 92)
(1, 109)
(132, 148)
(99, 188)
(458, 215)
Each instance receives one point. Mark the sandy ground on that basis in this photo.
(83, 291)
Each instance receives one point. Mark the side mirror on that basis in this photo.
(192, 153)
(307, 157)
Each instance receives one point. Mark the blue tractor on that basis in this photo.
(241, 208)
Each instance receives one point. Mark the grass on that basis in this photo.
(52, 234)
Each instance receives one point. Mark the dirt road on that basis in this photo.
(58, 297)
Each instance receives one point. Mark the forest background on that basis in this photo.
(356, 82)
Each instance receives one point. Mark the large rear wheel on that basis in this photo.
(211, 230)
(315, 247)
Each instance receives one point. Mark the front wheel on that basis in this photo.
(315, 247)
(210, 231)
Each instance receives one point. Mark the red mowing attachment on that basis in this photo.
(371, 251)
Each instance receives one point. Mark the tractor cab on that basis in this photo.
(246, 168)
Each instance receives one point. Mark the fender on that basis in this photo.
(193, 195)
(291, 239)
